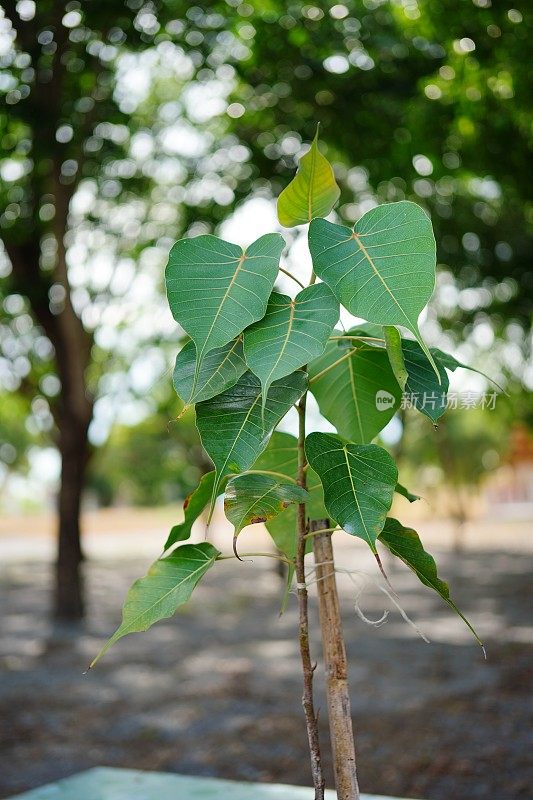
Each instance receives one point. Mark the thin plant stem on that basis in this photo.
(290, 275)
(332, 366)
(322, 530)
(362, 338)
(264, 555)
(346, 355)
(305, 652)
(268, 472)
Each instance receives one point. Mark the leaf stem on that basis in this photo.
(290, 275)
(267, 472)
(322, 530)
(250, 555)
(331, 366)
(305, 653)
(362, 338)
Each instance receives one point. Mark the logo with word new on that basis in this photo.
(384, 400)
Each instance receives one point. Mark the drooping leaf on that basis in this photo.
(291, 334)
(405, 544)
(452, 363)
(423, 390)
(382, 269)
(400, 489)
(167, 585)
(215, 289)
(233, 430)
(259, 498)
(358, 481)
(359, 395)
(393, 342)
(281, 458)
(220, 369)
(312, 192)
(193, 506)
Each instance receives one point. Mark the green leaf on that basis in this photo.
(452, 363)
(423, 390)
(359, 395)
(400, 489)
(168, 584)
(281, 459)
(215, 289)
(193, 506)
(358, 481)
(406, 545)
(312, 192)
(370, 329)
(393, 343)
(233, 430)
(258, 498)
(292, 333)
(382, 269)
(221, 369)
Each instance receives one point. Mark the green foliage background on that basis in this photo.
(418, 100)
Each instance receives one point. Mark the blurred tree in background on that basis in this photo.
(155, 462)
(126, 124)
(86, 205)
(15, 438)
(433, 100)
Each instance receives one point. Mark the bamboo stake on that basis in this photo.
(336, 667)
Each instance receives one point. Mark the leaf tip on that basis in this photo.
(234, 544)
(183, 411)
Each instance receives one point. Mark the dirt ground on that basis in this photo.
(216, 690)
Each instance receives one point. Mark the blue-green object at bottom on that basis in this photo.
(104, 783)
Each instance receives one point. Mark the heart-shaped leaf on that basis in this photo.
(233, 430)
(168, 584)
(281, 459)
(405, 544)
(215, 289)
(312, 192)
(291, 334)
(393, 343)
(221, 369)
(423, 390)
(358, 481)
(258, 498)
(355, 389)
(382, 269)
(193, 506)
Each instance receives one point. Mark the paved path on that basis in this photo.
(216, 690)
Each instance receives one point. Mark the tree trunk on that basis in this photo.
(69, 594)
(73, 353)
(336, 667)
